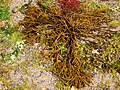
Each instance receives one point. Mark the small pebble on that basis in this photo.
(2, 23)
(44, 89)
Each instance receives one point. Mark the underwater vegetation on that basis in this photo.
(77, 36)
(9, 36)
(4, 10)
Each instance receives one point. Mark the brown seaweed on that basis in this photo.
(70, 38)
